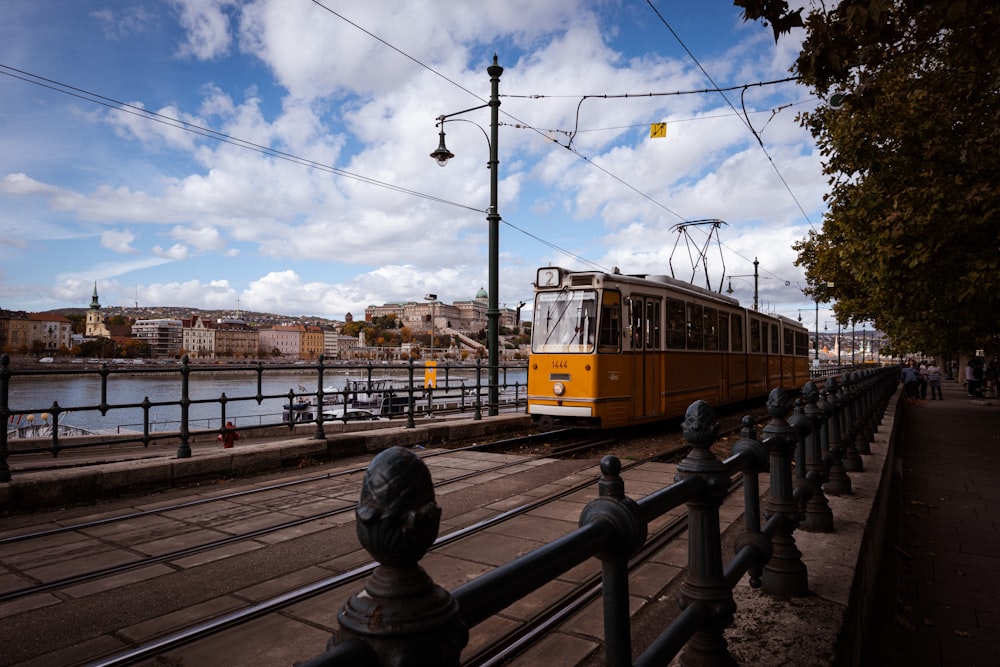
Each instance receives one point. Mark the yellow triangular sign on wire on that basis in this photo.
(657, 130)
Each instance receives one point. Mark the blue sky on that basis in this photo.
(158, 215)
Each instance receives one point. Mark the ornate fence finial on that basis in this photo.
(405, 618)
(705, 582)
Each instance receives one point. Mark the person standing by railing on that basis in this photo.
(934, 380)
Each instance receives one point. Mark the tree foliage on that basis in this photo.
(911, 238)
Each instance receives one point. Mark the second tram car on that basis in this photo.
(611, 350)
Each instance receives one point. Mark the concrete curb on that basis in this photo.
(55, 488)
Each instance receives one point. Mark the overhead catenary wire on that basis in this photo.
(746, 120)
(586, 159)
(170, 121)
(139, 111)
(123, 107)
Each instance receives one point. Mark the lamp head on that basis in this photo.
(442, 154)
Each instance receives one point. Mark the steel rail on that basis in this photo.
(153, 559)
(510, 442)
(218, 624)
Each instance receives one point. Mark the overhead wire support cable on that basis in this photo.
(208, 133)
(746, 120)
(122, 107)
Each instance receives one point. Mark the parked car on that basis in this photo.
(352, 415)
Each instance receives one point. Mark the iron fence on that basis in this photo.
(402, 618)
(395, 393)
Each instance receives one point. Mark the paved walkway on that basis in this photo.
(946, 562)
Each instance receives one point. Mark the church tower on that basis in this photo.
(95, 323)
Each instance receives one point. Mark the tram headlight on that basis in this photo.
(558, 389)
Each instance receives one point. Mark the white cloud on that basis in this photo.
(119, 241)
(175, 252)
(207, 26)
(202, 238)
(306, 239)
(21, 184)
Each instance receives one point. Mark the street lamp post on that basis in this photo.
(816, 342)
(854, 345)
(433, 300)
(816, 338)
(442, 155)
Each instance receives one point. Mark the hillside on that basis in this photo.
(182, 312)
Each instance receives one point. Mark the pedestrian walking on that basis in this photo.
(228, 436)
(908, 377)
(922, 380)
(993, 378)
(972, 382)
(934, 380)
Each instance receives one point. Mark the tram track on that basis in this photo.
(338, 587)
(177, 554)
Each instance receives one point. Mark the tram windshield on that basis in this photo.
(564, 321)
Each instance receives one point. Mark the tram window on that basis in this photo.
(737, 328)
(564, 321)
(775, 345)
(711, 329)
(653, 325)
(696, 330)
(637, 333)
(755, 335)
(801, 344)
(676, 333)
(789, 342)
(609, 339)
(724, 332)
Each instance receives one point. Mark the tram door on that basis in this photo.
(647, 357)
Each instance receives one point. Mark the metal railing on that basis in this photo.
(402, 617)
(458, 389)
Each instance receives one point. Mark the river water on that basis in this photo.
(76, 394)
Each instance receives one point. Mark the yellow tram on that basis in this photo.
(611, 350)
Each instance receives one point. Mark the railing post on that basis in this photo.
(753, 536)
(801, 488)
(319, 433)
(184, 448)
(705, 582)
(818, 515)
(612, 505)
(409, 393)
(146, 404)
(478, 412)
(872, 384)
(785, 575)
(5, 415)
(851, 458)
(54, 411)
(402, 615)
(837, 483)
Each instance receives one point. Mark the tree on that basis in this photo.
(911, 239)
(118, 321)
(79, 321)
